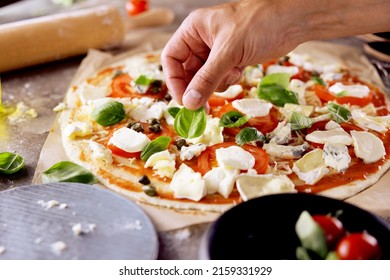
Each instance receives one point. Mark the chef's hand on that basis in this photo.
(213, 45)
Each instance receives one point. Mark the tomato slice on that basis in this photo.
(324, 94)
(264, 124)
(216, 101)
(332, 227)
(135, 7)
(207, 159)
(119, 152)
(120, 87)
(358, 246)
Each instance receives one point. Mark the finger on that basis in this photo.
(233, 77)
(206, 80)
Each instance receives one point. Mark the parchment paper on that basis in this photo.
(375, 199)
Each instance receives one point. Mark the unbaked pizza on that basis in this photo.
(293, 124)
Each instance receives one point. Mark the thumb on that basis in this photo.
(206, 81)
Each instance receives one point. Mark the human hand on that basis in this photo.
(213, 45)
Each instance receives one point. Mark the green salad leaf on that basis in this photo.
(190, 123)
(339, 113)
(109, 113)
(142, 80)
(233, 119)
(249, 134)
(173, 111)
(273, 88)
(157, 145)
(299, 121)
(318, 80)
(66, 171)
(10, 163)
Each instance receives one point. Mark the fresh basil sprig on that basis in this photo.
(173, 111)
(10, 163)
(157, 145)
(142, 80)
(318, 80)
(299, 121)
(190, 123)
(249, 134)
(339, 113)
(273, 88)
(109, 113)
(66, 171)
(233, 119)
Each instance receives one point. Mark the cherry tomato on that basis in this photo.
(135, 7)
(120, 87)
(207, 159)
(332, 227)
(119, 152)
(323, 93)
(358, 246)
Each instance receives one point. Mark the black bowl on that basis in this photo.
(264, 227)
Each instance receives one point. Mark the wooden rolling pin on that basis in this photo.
(35, 41)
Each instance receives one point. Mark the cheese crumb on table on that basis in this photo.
(2, 250)
(58, 247)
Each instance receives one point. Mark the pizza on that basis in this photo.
(294, 124)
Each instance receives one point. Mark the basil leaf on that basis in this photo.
(173, 111)
(10, 163)
(233, 119)
(157, 145)
(249, 134)
(299, 121)
(109, 113)
(339, 113)
(66, 171)
(318, 80)
(189, 123)
(282, 79)
(142, 80)
(277, 95)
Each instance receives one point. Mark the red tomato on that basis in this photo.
(135, 7)
(207, 159)
(215, 100)
(358, 246)
(264, 124)
(119, 152)
(332, 227)
(323, 93)
(120, 87)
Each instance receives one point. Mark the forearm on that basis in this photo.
(334, 18)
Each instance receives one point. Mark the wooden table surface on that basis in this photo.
(43, 87)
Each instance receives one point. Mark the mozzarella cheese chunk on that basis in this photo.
(313, 64)
(144, 112)
(275, 68)
(367, 146)
(350, 90)
(253, 75)
(129, 140)
(221, 180)
(78, 129)
(163, 163)
(235, 157)
(231, 92)
(137, 66)
(299, 88)
(334, 136)
(379, 124)
(186, 183)
(252, 107)
(282, 136)
(311, 167)
(336, 156)
(252, 186)
(88, 92)
(212, 134)
(331, 125)
(100, 152)
(187, 153)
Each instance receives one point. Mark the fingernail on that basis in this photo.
(192, 97)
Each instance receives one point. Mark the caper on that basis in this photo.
(144, 180)
(167, 97)
(156, 86)
(137, 127)
(153, 121)
(160, 67)
(149, 190)
(156, 128)
(179, 143)
(129, 125)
